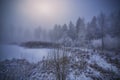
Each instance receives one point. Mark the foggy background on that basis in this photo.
(19, 22)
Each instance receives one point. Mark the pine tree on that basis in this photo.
(102, 24)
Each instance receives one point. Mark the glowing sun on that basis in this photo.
(46, 9)
(40, 11)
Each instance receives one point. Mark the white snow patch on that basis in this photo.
(101, 62)
(82, 76)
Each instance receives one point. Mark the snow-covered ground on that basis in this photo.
(83, 64)
(17, 52)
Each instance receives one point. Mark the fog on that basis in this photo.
(20, 18)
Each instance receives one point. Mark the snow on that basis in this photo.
(78, 56)
(82, 76)
(15, 51)
(96, 58)
(96, 43)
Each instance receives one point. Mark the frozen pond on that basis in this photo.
(14, 51)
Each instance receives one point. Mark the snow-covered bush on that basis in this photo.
(96, 43)
(111, 42)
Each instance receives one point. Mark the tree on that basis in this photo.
(78, 25)
(80, 32)
(102, 24)
(38, 33)
(71, 31)
(64, 29)
(114, 30)
(92, 29)
(65, 39)
(57, 33)
(115, 24)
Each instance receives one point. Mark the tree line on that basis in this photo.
(102, 30)
(81, 34)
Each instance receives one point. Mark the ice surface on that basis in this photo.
(15, 51)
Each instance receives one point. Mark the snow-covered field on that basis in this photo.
(83, 64)
(17, 52)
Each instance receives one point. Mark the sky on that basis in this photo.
(46, 13)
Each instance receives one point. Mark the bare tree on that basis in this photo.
(60, 62)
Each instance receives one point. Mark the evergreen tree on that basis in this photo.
(80, 32)
(71, 31)
(102, 24)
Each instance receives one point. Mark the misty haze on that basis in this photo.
(59, 40)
